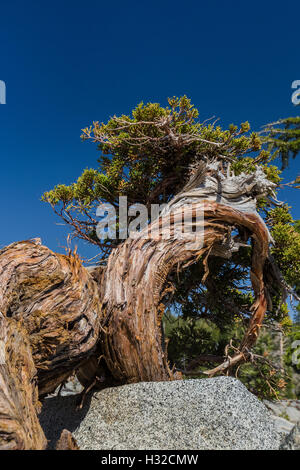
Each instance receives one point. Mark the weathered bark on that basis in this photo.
(136, 283)
(108, 326)
(19, 425)
(57, 302)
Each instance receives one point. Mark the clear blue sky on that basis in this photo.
(68, 63)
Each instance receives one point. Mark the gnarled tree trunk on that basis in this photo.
(136, 283)
(67, 315)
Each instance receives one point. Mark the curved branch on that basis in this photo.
(136, 282)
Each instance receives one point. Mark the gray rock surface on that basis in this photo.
(292, 440)
(286, 413)
(216, 413)
(282, 425)
(287, 409)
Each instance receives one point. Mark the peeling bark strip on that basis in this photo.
(19, 426)
(57, 302)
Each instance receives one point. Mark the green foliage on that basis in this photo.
(269, 376)
(223, 299)
(283, 138)
(191, 338)
(286, 248)
(293, 336)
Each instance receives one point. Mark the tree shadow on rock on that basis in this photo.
(61, 412)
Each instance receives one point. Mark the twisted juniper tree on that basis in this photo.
(106, 325)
